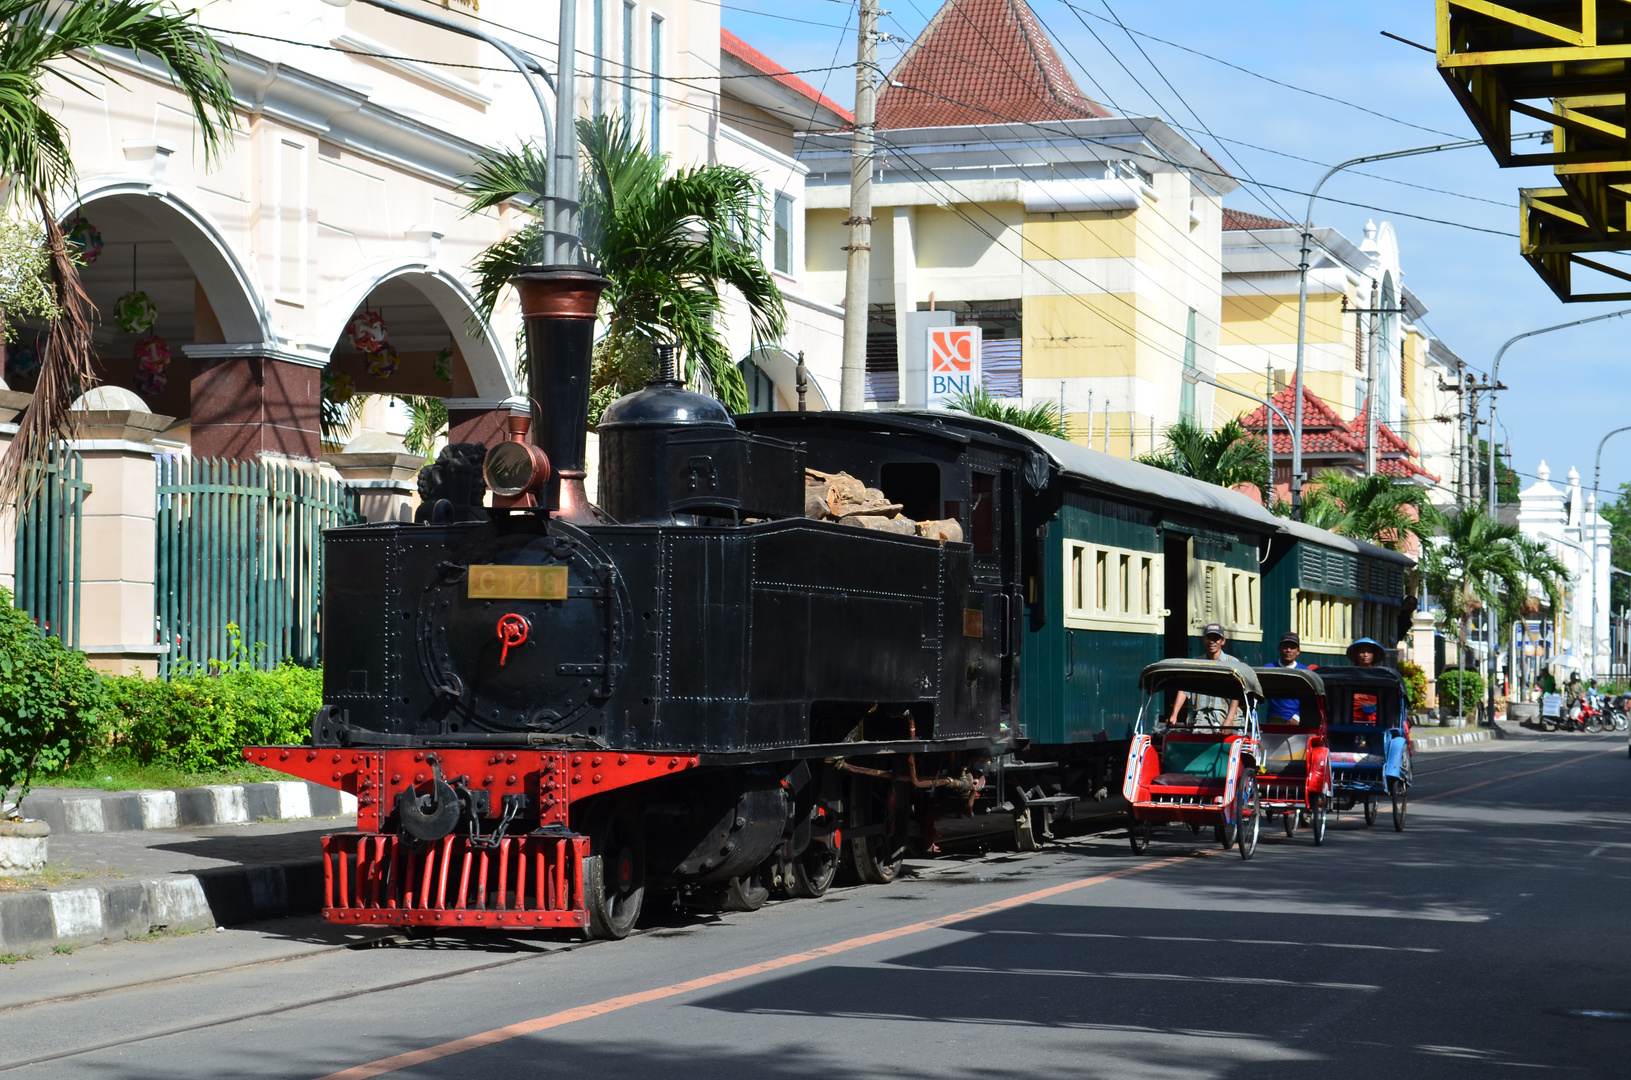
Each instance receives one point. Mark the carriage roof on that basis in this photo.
(1212, 677)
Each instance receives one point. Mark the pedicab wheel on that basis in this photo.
(1248, 817)
(1401, 803)
(1289, 818)
(1138, 834)
(1195, 828)
(1370, 810)
(1318, 814)
(1224, 834)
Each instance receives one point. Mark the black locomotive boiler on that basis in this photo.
(546, 709)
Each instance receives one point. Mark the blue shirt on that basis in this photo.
(1286, 709)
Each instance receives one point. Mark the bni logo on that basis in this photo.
(954, 360)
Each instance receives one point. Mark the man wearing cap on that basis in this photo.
(1211, 711)
(1288, 710)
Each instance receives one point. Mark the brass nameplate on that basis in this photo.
(517, 583)
(973, 622)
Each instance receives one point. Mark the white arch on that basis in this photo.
(490, 369)
(227, 282)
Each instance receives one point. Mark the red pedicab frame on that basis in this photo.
(1294, 766)
(1192, 775)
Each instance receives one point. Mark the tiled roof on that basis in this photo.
(1318, 417)
(981, 62)
(1393, 454)
(1240, 221)
(758, 61)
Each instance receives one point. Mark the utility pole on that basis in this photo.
(1375, 311)
(852, 388)
(1462, 468)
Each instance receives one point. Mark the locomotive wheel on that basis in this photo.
(811, 874)
(1138, 834)
(745, 893)
(1370, 810)
(1024, 832)
(614, 876)
(1401, 803)
(1319, 821)
(1248, 817)
(878, 857)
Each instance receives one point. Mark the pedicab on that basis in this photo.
(1293, 766)
(1193, 759)
(1369, 737)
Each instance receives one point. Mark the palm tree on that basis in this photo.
(1228, 456)
(1375, 508)
(1472, 565)
(669, 243)
(46, 37)
(1044, 416)
(1541, 565)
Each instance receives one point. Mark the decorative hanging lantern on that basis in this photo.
(152, 365)
(367, 331)
(338, 387)
(135, 312)
(22, 360)
(444, 364)
(86, 237)
(383, 363)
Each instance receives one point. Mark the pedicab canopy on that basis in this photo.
(1305, 686)
(1212, 677)
(1365, 696)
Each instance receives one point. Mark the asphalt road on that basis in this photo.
(1490, 938)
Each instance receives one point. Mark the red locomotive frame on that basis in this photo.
(534, 880)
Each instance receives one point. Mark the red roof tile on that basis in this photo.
(981, 62)
(1240, 221)
(758, 61)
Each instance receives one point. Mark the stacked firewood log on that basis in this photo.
(842, 498)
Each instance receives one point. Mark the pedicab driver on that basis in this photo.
(1210, 711)
(1288, 710)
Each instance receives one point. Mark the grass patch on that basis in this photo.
(12, 959)
(122, 774)
(49, 877)
(65, 950)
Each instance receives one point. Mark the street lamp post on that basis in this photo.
(1302, 299)
(1495, 385)
(1195, 375)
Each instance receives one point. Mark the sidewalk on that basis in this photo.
(113, 885)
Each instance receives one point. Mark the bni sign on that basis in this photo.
(954, 362)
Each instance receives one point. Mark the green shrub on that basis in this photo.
(200, 720)
(1415, 681)
(50, 705)
(1451, 686)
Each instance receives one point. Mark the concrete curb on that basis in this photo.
(31, 922)
(1460, 738)
(222, 804)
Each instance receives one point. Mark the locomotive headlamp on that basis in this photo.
(516, 471)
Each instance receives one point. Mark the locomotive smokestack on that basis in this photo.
(558, 306)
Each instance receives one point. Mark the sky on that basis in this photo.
(1567, 389)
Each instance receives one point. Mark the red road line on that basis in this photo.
(610, 1005)
(1511, 776)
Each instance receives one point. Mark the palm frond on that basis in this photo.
(427, 422)
(1043, 416)
(502, 175)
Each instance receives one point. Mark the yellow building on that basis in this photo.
(1086, 245)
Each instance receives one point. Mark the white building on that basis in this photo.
(1568, 521)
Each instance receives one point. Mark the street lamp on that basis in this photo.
(1302, 289)
(1196, 375)
(1597, 473)
(1495, 385)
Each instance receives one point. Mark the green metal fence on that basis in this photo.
(49, 539)
(241, 543)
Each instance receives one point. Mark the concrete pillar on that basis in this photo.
(116, 627)
(1421, 653)
(386, 483)
(12, 403)
(248, 402)
(906, 330)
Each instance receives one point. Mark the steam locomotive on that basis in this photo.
(546, 709)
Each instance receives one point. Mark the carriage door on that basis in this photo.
(993, 533)
(1175, 554)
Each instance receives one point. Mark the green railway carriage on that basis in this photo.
(1331, 589)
